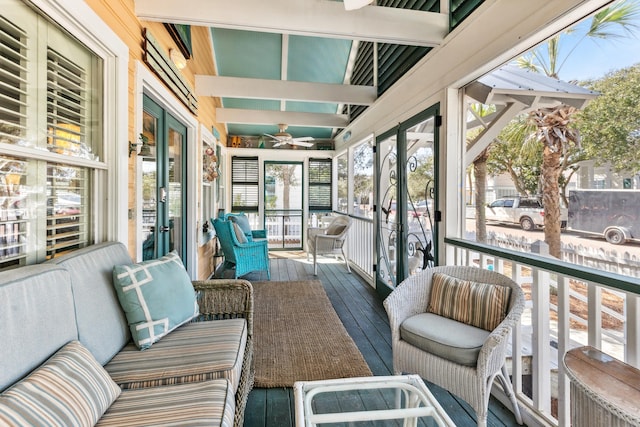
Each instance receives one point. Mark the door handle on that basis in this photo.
(164, 229)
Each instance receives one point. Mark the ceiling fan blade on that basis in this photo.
(304, 138)
(275, 138)
(278, 144)
(301, 143)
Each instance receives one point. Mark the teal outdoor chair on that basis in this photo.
(247, 256)
(243, 222)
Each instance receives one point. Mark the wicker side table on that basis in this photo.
(604, 390)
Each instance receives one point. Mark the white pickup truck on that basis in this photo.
(526, 211)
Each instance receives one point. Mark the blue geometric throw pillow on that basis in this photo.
(156, 295)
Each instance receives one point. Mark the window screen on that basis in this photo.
(244, 184)
(319, 184)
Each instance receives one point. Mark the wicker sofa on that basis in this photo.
(199, 374)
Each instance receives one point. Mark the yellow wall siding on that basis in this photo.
(120, 16)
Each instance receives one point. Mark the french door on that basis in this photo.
(163, 182)
(406, 216)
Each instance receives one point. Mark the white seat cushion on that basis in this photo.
(444, 337)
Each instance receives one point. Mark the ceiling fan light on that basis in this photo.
(355, 4)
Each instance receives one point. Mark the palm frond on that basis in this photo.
(621, 15)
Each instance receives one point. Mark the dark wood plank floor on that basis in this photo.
(362, 313)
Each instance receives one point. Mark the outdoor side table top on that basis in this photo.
(413, 400)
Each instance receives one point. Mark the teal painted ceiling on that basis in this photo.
(260, 55)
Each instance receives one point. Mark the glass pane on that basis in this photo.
(283, 204)
(175, 201)
(67, 209)
(363, 180)
(17, 207)
(387, 225)
(72, 128)
(420, 195)
(149, 185)
(283, 189)
(244, 183)
(320, 185)
(343, 183)
(13, 83)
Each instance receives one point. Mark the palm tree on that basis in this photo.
(480, 172)
(554, 125)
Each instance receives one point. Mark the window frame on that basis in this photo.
(328, 163)
(81, 22)
(247, 183)
(109, 182)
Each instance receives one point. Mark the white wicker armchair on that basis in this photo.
(329, 240)
(471, 383)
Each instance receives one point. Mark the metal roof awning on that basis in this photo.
(515, 91)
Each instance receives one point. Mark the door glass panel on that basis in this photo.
(420, 195)
(175, 201)
(149, 186)
(387, 211)
(283, 205)
(343, 183)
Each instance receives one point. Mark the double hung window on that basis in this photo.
(244, 184)
(50, 138)
(320, 185)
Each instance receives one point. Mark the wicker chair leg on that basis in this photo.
(315, 264)
(503, 376)
(346, 260)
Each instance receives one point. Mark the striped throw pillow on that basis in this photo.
(482, 305)
(450, 297)
(489, 304)
(69, 389)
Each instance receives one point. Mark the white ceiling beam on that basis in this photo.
(307, 18)
(239, 87)
(271, 117)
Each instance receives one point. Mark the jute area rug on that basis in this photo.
(298, 336)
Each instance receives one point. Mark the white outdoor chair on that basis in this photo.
(329, 240)
(461, 358)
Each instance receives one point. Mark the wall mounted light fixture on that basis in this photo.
(178, 58)
(133, 148)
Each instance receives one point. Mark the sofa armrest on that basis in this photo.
(225, 299)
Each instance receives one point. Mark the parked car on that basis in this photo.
(526, 211)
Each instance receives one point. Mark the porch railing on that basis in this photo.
(360, 243)
(568, 305)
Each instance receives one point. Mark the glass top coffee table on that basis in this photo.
(403, 398)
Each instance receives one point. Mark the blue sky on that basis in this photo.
(593, 58)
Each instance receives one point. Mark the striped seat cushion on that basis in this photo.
(69, 389)
(194, 352)
(209, 403)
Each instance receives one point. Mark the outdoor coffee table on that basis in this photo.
(413, 400)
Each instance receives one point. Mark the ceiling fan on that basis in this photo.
(283, 138)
